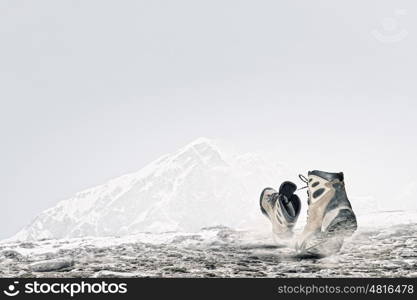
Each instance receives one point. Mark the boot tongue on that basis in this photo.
(286, 194)
(290, 208)
(287, 189)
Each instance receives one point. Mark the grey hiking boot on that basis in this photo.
(330, 215)
(282, 208)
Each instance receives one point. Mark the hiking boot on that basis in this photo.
(330, 215)
(282, 208)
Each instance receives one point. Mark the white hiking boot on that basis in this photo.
(330, 215)
(281, 208)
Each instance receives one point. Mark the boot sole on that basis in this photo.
(280, 230)
(260, 202)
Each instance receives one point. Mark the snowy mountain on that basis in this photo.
(197, 186)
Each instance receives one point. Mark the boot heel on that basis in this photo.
(344, 224)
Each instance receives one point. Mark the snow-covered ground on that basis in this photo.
(384, 246)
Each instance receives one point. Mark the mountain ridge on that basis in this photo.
(194, 187)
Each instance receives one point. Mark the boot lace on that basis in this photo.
(303, 179)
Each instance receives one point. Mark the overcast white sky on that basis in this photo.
(90, 90)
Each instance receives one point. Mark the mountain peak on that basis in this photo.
(202, 142)
(204, 148)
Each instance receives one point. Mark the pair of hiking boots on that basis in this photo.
(330, 218)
